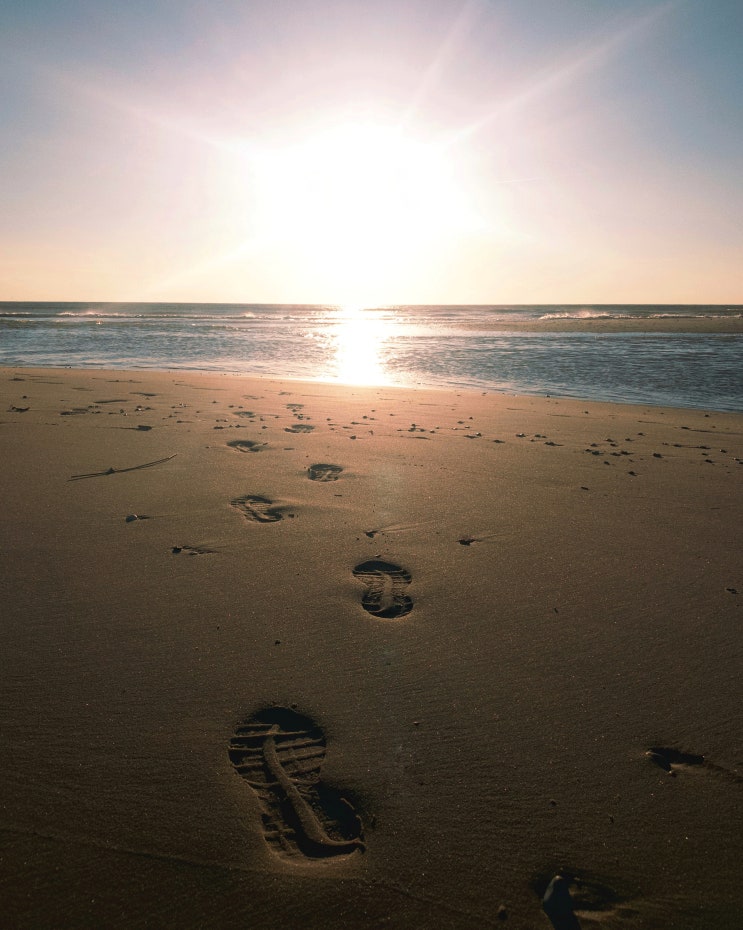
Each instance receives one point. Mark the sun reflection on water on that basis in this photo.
(360, 338)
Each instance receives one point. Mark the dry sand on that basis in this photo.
(555, 590)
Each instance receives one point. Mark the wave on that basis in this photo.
(724, 315)
(97, 314)
(644, 314)
(586, 314)
(281, 316)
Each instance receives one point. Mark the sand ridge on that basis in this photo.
(399, 681)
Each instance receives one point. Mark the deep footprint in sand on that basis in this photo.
(385, 589)
(323, 472)
(246, 445)
(192, 550)
(568, 901)
(674, 761)
(258, 509)
(279, 753)
(299, 428)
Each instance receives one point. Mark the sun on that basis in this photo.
(359, 202)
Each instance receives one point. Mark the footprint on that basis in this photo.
(258, 509)
(279, 753)
(385, 583)
(192, 550)
(299, 428)
(568, 899)
(246, 445)
(670, 759)
(324, 472)
(674, 761)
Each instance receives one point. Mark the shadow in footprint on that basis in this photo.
(675, 761)
(299, 428)
(279, 753)
(385, 589)
(193, 550)
(557, 904)
(567, 899)
(324, 472)
(258, 509)
(669, 759)
(246, 445)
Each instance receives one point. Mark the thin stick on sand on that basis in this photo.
(118, 471)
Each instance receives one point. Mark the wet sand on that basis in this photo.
(284, 654)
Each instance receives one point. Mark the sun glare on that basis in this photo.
(358, 203)
(359, 343)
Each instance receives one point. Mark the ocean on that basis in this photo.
(485, 348)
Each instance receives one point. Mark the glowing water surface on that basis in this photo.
(438, 346)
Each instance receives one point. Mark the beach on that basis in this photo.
(300, 654)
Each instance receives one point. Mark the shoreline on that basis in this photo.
(338, 390)
(494, 619)
(483, 389)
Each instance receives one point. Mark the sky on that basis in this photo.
(372, 152)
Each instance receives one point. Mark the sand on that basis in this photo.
(307, 655)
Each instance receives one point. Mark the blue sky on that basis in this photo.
(426, 151)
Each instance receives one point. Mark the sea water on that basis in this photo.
(441, 346)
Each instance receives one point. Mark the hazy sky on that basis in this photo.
(372, 151)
